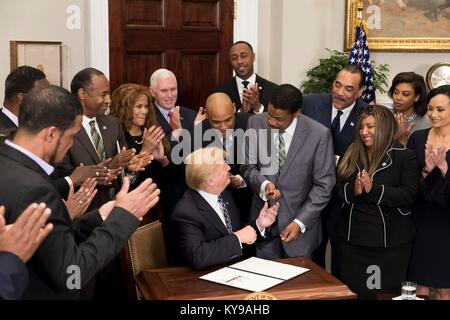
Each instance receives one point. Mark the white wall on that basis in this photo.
(43, 20)
(307, 28)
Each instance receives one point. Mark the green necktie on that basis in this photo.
(281, 150)
(98, 142)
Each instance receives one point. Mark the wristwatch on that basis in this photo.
(438, 75)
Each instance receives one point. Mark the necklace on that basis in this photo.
(410, 119)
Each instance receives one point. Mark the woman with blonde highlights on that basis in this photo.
(377, 181)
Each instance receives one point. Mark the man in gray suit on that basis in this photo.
(301, 183)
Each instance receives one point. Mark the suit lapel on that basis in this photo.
(236, 97)
(349, 127)
(208, 213)
(7, 122)
(326, 111)
(86, 144)
(162, 121)
(296, 143)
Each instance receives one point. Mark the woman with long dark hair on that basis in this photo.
(377, 181)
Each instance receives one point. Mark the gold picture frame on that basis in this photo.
(46, 56)
(396, 25)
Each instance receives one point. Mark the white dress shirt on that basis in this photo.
(240, 86)
(344, 116)
(87, 127)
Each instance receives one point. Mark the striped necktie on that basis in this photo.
(98, 142)
(223, 205)
(281, 148)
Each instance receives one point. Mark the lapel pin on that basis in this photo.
(352, 124)
(104, 127)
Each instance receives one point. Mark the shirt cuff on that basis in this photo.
(261, 109)
(302, 226)
(262, 231)
(69, 181)
(262, 191)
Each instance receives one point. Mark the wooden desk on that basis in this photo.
(183, 284)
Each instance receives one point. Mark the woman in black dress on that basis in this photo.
(377, 181)
(430, 263)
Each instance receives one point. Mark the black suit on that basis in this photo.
(8, 128)
(174, 184)
(201, 237)
(265, 91)
(13, 276)
(319, 107)
(88, 242)
(243, 196)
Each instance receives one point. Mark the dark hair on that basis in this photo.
(354, 68)
(83, 79)
(21, 80)
(287, 97)
(46, 107)
(243, 42)
(445, 90)
(418, 84)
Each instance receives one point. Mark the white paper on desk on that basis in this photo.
(269, 268)
(254, 274)
(242, 279)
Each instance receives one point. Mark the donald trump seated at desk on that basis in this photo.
(206, 221)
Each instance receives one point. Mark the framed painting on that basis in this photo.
(401, 25)
(43, 55)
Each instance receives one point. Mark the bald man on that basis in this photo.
(220, 125)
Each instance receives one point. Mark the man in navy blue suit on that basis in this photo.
(337, 111)
(18, 242)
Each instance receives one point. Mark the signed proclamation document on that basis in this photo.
(254, 274)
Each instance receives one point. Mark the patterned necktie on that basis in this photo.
(245, 83)
(98, 142)
(281, 150)
(171, 119)
(336, 128)
(223, 205)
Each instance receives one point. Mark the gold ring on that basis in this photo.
(80, 202)
(96, 173)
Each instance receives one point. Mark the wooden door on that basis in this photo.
(189, 37)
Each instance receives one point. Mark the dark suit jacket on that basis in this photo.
(5, 122)
(382, 217)
(201, 237)
(231, 89)
(87, 242)
(83, 151)
(319, 107)
(8, 128)
(243, 196)
(187, 121)
(13, 276)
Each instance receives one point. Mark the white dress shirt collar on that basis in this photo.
(344, 116)
(164, 112)
(11, 116)
(44, 165)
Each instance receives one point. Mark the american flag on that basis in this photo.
(360, 56)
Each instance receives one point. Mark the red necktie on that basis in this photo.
(171, 119)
